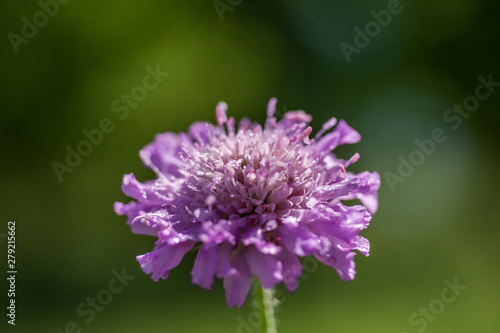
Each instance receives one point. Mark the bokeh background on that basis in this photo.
(439, 224)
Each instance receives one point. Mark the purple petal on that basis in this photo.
(292, 269)
(340, 221)
(163, 258)
(361, 244)
(298, 239)
(255, 236)
(132, 209)
(218, 233)
(237, 282)
(149, 192)
(342, 134)
(199, 131)
(171, 237)
(162, 155)
(149, 223)
(267, 268)
(342, 262)
(223, 266)
(367, 190)
(204, 266)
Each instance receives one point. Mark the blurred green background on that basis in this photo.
(439, 224)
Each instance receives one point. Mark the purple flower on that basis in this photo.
(254, 199)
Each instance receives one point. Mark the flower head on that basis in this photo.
(254, 198)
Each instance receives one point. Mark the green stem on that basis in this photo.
(265, 300)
